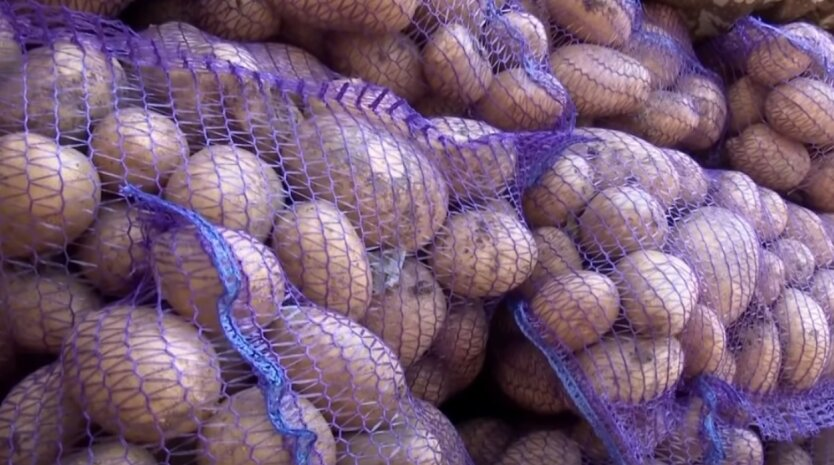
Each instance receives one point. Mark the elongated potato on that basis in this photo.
(670, 19)
(817, 187)
(324, 257)
(712, 109)
(745, 101)
(822, 290)
(632, 370)
(805, 338)
(621, 220)
(341, 367)
(130, 346)
(454, 65)
(772, 278)
(525, 376)
(620, 84)
(520, 99)
(693, 182)
(770, 159)
(704, 342)
(540, 447)
(666, 118)
(385, 185)
(558, 256)
(606, 23)
(805, 226)
(774, 216)
(461, 343)
(482, 253)
(738, 193)
(191, 284)
(706, 240)
(659, 52)
(289, 61)
(776, 57)
(758, 357)
(561, 191)
(485, 438)
(516, 36)
(577, 307)
(110, 452)
(363, 16)
(801, 109)
(428, 380)
(243, 21)
(797, 259)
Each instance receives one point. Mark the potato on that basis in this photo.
(658, 51)
(542, 447)
(520, 99)
(797, 258)
(812, 37)
(770, 159)
(109, 8)
(665, 119)
(342, 368)
(685, 443)
(432, 14)
(110, 452)
(620, 84)
(558, 256)
(805, 338)
(758, 357)
(805, 226)
(668, 18)
(721, 248)
(726, 370)
(41, 307)
(774, 216)
(10, 48)
(245, 21)
(772, 279)
(817, 187)
(742, 446)
(391, 60)
(632, 370)
(704, 342)
(462, 341)
(61, 90)
(712, 109)
(371, 16)
(776, 57)
(621, 220)
(516, 36)
(385, 185)
(607, 23)
(481, 253)
(658, 292)
(800, 109)
(432, 106)
(693, 182)
(561, 191)
(738, 193)
(289, 62)
(191, 284)
(454, 65)
(524, 375)
(485, 438)
(745, 99)
(787, 454)
(324, 257)
(241, 433)
(427, 380)
(592, 447)
(577, 307)
(822, 290)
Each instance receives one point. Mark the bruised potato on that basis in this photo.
(759, 357)
(561, 191)
(524, 375)
(805, 338)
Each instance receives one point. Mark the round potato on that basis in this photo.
(817, 187)
(712, 109)
(324, 257)
(521, 99)
(462, 341)
(775, 58)
(561, 191)
(706, 240)
(787, 454)
(137, 146)
(244, 21)
(485, 438)
(385, 185)
(481, 253)
(745, 101)
(42, 306)
(772, 278)
(607, 23)
(658, 292)
(241, 433)
(694, 185)
(454, 65)
(770, 159)
(738, 193)
(704, 342)
(621, 220)
(346, 371)
(632, 370)
(620, 84)
(797, 259)
(191, 284)
(658, 51)
(578, 307)
(822, 290)
(805, 226)
(369, 16)
(665, 119)
(516, 36)
(774, 216)
(48, 195)
(802, 109)
(558, 256)
(805, 338)
(742, 446)
(141, 14)
(110, 452)
(427, 380)
(541, 447)
(758, 357)
(525, 376)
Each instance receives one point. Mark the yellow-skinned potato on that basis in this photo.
(36, 420)
(726, 370)
(577, 307)
(541, 447)
(670, 19)
(42, 306)
(805, 226)
(289, 61)
(706, 240)
(693, 182)
(108, 8)
(745, 99)
(606, 23)
(805, 337)
(455, 66)
(772, 278)
(738, 193)
(658, 292)
(797, 258)
(665, 119)
(324, 257)
(519, 99)
(110, 452)
(658, 51)
(759, 357)
(241, 433)
(558, 256)
(462, 341)
(48, 195)
(244, 21)
(774, 216)
(369, 16)
(428, 380)
(817, 187)
(787, 454)
(822, 290)
(560, 191)
(770, 159)
(801, 109)
(433, 14)
(480, 253)
(346, 371)
(704, 342)
(485, 438)
(742, 446)
(191, 284)
(524, 375)
(712, 109)
(131, 346)
(775, 58)
(515, 36)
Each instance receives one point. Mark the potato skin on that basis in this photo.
(801, 109)
(693, 182)
(759, 357)
(770, 159)
(289, 61)
(110, 452)
(369, 16)
(515, 36)
(605, 23)
(540, 447)
(772, 279)
(560, 192)
(658, 51)
(774, 216)
(745, 101)
(454, 65)
(462, 341)
(485, 438)
(787, 454)
(324, 257)
(240, 21)
(712, 110)
(519, 99)
(797, 259)
(558, 255)
(742, 446)
(738, 193)
(524, 375)
(704, 342)
(805, 226)
(822, 290)
(665, 119)
(805, 338)
(817, 187)
(109, 8)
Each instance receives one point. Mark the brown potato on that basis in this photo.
(524, 375)
(726, 370)
(805, 226)
(704, 342)
(454, 65)
(341, 367)
(666, 118)
(801, 109)
(797, 258)
(137, 146)
(519, 99)
(668, 18)
(129, 346)
(191, 284)
(706, 240)
(462, 341)
(369, 16)
(240, 432)
(541, 447)
(774, 216)
(241, 20)
(109, 8)
(776, 57)
(606, 23)
(516, 36)
(658, 292)
(658, 51)
(758, 357)
(621, 220)
(738, 193)
(385, 185)
(742, 447)
(558, 256)
(289, 61)
(485, 438)
(48, 195)
(818, 187)
(620, 84)
(427, 380)
(772, 278)
(745, 99)
(110, 452)
(432, 106)
(41, 307)
(693, 182)
(712, 109)
(324, 257)
(805, 338)
(787, 454)
(822, 290)
(561, 191)
(592, 447)
(770, 159)
(481, 253)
